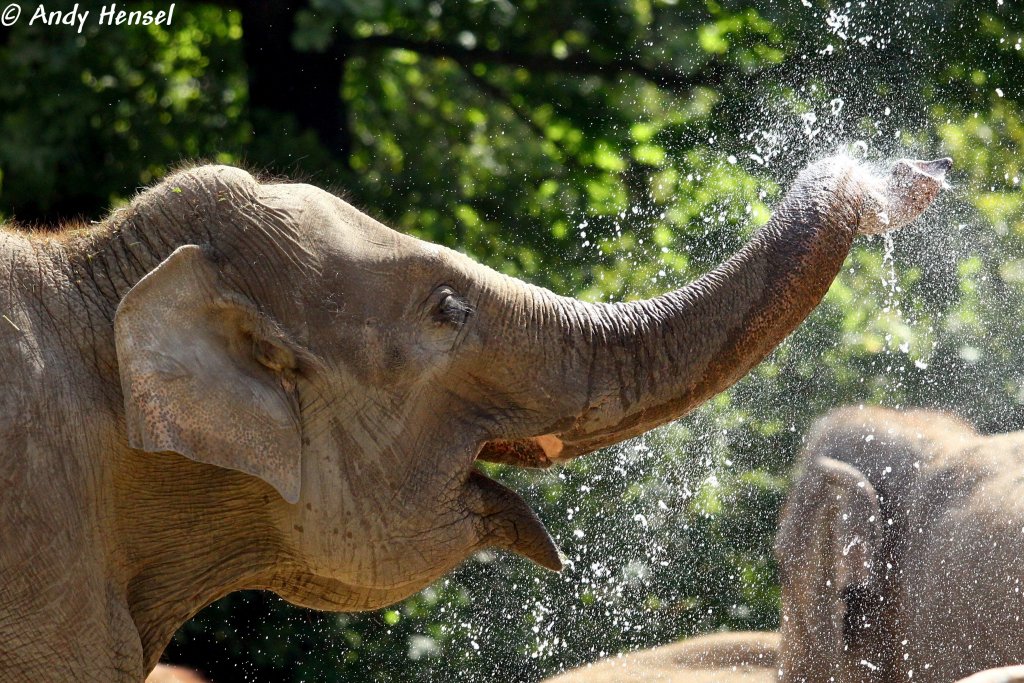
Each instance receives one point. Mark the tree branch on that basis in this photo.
(578, 64)
(568, 158)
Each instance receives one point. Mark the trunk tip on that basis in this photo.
(937, 168)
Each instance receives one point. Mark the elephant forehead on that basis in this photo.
(331, 226)
(327, 222)
(347, 264)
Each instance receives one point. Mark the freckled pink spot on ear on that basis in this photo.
(551, 445)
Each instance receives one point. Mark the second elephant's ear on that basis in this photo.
(205, 375)
(828, 547)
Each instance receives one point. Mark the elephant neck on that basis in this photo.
(176, 535)
(191, 534)
(104, 262)
(169, 535)
(70, 285)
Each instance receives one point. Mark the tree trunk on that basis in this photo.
(284, 80)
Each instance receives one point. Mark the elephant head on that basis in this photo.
(871, 550)
(330, 382)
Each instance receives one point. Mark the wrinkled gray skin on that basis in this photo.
(902, 545)
(232, 384)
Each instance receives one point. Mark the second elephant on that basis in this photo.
(727, 657)
(900, 548)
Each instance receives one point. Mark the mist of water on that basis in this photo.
(666, 534)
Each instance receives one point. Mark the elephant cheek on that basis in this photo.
(323, 543)
(396, 552)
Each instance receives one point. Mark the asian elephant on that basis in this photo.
(736, 657)
(1004, 674)
(901, 548)
(235, 384)
(164, 673)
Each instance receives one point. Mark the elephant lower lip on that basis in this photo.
(508, 522)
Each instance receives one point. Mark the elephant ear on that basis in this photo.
(828, 544)
(205, 375)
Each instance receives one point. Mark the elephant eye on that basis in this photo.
(452, 309)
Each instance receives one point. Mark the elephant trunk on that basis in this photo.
(623, 369)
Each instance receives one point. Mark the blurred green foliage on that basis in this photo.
(607, 149)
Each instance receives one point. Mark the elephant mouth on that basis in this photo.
(536, 451)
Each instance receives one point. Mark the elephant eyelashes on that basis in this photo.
(453, 310)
